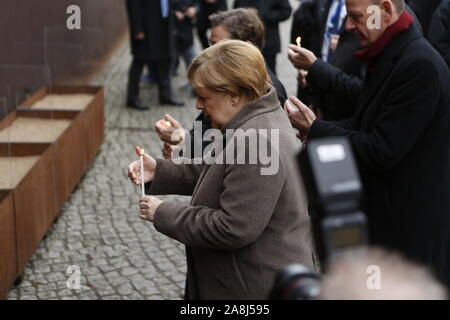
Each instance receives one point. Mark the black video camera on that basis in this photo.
(334, 192)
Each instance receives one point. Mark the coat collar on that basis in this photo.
(370, 54)
(267, 103)
(385, 63)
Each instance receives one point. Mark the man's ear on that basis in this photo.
(388, 10)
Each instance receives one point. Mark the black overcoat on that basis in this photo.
(145, 16)
(271, 12)
(400, 135)
(439, 32)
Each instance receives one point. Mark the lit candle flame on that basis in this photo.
(165, 124)
(299, 41)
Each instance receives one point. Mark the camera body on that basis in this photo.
(334, 192)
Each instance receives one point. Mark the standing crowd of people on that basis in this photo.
(385, 88)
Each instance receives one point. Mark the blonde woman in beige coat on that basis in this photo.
(245, 220)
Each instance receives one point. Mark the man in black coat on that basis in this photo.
(439, 32)
(424, 9)
(327, 82)
(400, 135)
(152, 44)
(185, 13)
(271, 12)
(207, 8)
(310, 22)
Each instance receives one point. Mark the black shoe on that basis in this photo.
(171, 102)
(137, 105)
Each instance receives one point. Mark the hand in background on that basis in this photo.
(139, 36)
(301, 78)
(191, 12)
(334, 42)
(179, 15)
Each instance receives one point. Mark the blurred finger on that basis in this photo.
(292, 54)
(294, 48)
(290, 108)
(174, 122)
(300, 106)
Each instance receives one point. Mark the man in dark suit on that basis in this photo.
(336, 85)
(424, 9)
(317, 22)
(399, 133)
(271, 12)
(207, 8)
(152, 44)
(439, 32)
(308, 21)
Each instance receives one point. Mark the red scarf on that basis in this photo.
(369, 55)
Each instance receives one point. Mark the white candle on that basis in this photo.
(141, 158)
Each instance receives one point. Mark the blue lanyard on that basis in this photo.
(334, 29)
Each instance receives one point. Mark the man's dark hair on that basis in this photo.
(242, 24)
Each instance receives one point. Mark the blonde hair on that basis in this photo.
(233, 67)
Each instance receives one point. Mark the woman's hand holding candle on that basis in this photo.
(134, 169)
(170, 130)
(148, 206)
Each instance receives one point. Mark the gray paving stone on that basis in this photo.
(125, 289)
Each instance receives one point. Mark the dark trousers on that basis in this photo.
(202, 28)
(271, 61)
(161, 70)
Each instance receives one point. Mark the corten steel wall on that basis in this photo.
(36, 47)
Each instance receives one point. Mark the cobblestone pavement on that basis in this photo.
(98, 230)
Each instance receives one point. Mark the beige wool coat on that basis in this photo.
(241, 227)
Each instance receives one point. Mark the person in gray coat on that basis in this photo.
(246, 219)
